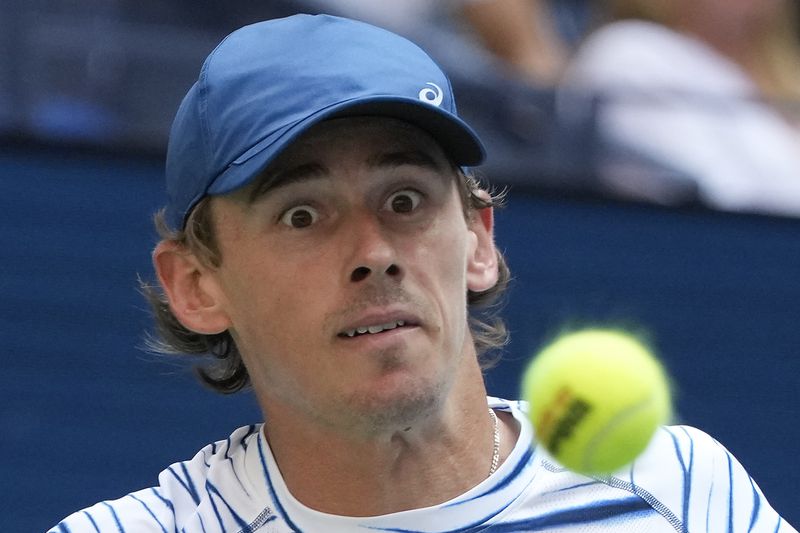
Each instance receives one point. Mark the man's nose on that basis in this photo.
(374, 252)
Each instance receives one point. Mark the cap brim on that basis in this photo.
(456, 138)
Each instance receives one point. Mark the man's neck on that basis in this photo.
(445, 453)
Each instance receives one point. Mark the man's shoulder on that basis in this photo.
(677, 459)
(216, 473)
(687, 454)
(684, 443)
(694, 480)
(218, 467)
(685, 475)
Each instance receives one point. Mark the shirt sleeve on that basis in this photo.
(711, 490)
(144, 511)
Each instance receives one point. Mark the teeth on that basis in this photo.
(375, 329)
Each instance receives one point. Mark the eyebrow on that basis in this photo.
(308, 171)
(283, 177)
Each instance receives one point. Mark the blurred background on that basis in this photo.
(652, 153)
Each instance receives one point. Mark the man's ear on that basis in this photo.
(193, 292)
(482, 267)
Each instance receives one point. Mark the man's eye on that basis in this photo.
(301, 216)
(404, 201)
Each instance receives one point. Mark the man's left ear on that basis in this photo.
(482, 269)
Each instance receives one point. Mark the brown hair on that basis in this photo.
(221, 366)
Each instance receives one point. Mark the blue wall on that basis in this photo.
(87, 415)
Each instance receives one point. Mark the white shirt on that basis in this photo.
(684, 481)
(676, 99)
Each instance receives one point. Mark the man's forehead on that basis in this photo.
(374, 141)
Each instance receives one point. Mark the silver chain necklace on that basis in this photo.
(496, 450)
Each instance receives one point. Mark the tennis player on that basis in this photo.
(324, 242)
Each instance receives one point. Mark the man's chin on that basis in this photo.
(396, 409)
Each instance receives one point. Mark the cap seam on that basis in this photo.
(203, 112)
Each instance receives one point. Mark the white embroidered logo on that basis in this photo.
(432, 96)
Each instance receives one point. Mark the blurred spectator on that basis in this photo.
(521, 33)
(708, 87)
(109, 72)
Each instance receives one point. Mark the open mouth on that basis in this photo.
(372, 330)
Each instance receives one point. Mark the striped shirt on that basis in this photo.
(684, 482)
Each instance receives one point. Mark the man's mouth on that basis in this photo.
(372, 330)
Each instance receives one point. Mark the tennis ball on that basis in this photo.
(596, 399)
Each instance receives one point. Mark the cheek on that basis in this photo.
(253, 294)
(271, 297)
(272, 326)
(442, 263)
(276, 299)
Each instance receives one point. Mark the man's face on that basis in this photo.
(345, 271)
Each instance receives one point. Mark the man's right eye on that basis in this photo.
(300, 216)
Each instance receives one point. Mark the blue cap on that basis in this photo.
(267, 83)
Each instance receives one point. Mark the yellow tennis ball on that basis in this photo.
(596, 398)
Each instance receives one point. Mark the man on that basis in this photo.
(323, 242)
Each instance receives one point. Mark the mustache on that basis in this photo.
(371, 296)
(376, 296)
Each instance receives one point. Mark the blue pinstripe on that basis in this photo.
(213, 491)
(756, 506)
(188, 485)
(730, 494)
(708, 503)
(150, 512)
(272, 494)
(502, 482)
(91, 519)
(577, 486)
(116, 518)
(164, 500)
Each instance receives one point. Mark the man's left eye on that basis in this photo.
(404, 201)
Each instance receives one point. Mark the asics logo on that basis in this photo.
(432, 96)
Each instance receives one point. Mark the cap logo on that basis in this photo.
(432, 96)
